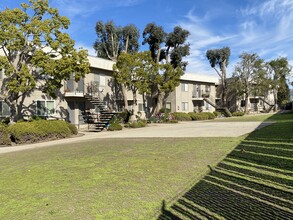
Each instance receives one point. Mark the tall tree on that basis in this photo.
(133, 70)
(169, 60)
(37, 53)
(219, 60)
(246, 75)
(112, 40)
(278, 71)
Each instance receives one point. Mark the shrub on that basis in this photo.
(72, 128)
(172, 121)
(137, 124)
(217, 114)
(237, 114)
(201, 115)
(124, 116)
(4, 135)
(165, 110)
(38, 130)
(181, 116)
(115, 127)
(5, 120)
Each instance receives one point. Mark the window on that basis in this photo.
(208, 106)
(140, 107)
(168, 105)
(184, 87)
(45, 107)
(4, 109)
(208, 88)
(184, 106)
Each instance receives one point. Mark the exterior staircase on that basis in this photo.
(99, 120)
(271, 106)
(212, 101)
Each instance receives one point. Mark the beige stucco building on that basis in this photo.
(75, 98)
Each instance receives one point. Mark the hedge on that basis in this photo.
(237, 114)
(181, 116)
(39, 130)
(4, 135)
(115, 127)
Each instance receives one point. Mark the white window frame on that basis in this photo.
(1, 112)
(184, 87)
(46, 113)
(184, 106)
(140, 107)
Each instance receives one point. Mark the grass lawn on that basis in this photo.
(104, 179)
(252, 177)
(254, 181)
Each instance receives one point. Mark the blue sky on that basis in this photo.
(264, 27)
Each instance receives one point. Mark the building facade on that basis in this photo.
(74, 97)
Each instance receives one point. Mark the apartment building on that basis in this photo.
(75, 98)
(192, 93)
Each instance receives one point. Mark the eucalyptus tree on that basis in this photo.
(219, 60)
(168, 58)
(247, 76)
(278, 70)
(38, 54)
(112, 40)
(133, 70)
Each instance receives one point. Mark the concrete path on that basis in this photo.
(182, 129)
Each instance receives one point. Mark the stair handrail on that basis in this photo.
(94, 91)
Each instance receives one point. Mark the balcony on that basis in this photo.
(200, 94)
(74, 89)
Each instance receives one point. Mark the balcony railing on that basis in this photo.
(200, 94)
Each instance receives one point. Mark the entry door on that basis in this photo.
(71, 112)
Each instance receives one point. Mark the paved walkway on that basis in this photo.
(182, 129)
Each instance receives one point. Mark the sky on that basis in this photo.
(264, 27)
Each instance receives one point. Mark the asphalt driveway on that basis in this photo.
(182, 129)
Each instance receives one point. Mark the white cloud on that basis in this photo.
(91, 50)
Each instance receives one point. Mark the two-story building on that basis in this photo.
(75, 98)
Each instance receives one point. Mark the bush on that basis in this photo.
(173, 121)
(72, 128)
(4, 135)
(165, 110)
(138, 124)
(38, 130)
(115, 127)
(201, 116)
(237, 114)
(217, 114)
(181, 116)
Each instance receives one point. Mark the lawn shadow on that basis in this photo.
(254, 181)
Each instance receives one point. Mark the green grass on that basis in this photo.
(254, 181)
(104, 179)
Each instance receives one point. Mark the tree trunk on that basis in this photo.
(134, 108)
(275, 100)
(246, 103)
(124, 93)
(159, 103)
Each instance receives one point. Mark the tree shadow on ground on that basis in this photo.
(255, 181)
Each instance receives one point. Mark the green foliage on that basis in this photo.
(39, 130)
(201, 116)
(112, 40)
(124, 116)
(115, 127)
(219, 57)
(181, 116)
(164, 110)
(167, 75)
(5, 120)
(217, 114)
(4, 135)
(236, 114)
(72, 128)
(34, 35)
(137, 124)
